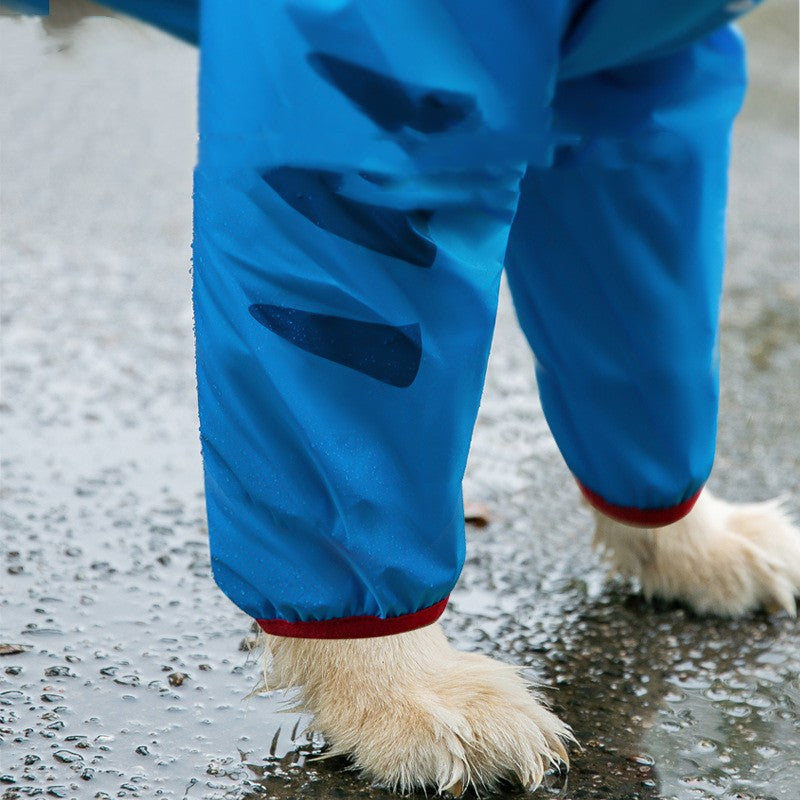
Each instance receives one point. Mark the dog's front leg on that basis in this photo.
(413, 712)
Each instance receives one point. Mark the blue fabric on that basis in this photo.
(181, 18)
(360, 166)
(39, 8)
(615, 262)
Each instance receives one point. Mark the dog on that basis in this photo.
(355, 626)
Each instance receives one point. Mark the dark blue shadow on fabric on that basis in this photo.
(390, 354)
(394, 104)
(39, 8)
(315, 194)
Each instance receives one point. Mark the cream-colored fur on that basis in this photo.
(721, 558)
(413, 712)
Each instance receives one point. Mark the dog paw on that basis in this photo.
(413, 713)
(721, 558)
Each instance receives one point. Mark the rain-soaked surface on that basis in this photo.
(132, 676)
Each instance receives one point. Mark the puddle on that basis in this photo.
(130, 681)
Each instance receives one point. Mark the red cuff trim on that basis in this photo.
(643, 517)
(353, 627)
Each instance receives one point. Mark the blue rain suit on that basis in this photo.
(366, 169)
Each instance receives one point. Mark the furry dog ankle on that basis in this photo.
(412, 712)
(721, 558)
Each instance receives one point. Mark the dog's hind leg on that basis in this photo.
(721, 558)
(615, 261)
(413, 712)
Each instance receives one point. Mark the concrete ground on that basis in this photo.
(130, 680)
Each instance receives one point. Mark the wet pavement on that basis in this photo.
(133, 675)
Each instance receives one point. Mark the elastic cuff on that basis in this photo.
(642, 517)
(353, 627)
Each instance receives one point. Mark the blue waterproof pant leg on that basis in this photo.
(615, 261)
(358, 172)
(359, 168)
